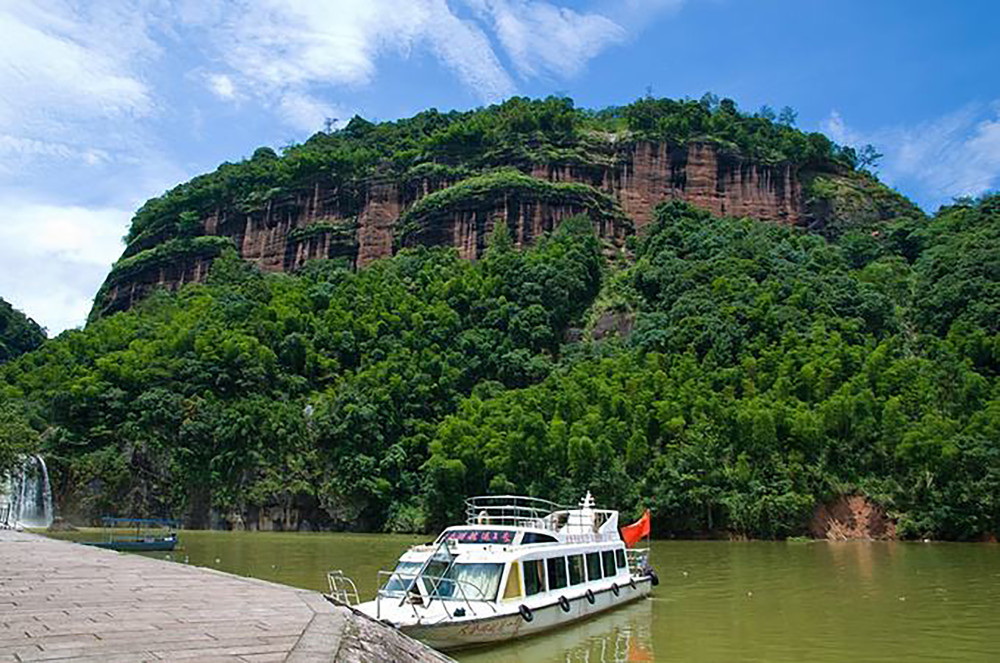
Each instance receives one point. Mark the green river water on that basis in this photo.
(717, 601)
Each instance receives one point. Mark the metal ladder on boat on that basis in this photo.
(342, 589)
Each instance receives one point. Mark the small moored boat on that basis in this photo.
(137, 534)
(518, 566)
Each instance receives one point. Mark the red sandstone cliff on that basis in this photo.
(315, 222)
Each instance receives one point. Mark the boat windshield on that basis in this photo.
(476, 582)
(401, 577)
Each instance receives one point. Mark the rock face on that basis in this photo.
(648, 173)
(364, 224)
(851, 517)
(122, 293)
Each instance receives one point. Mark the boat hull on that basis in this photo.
(512, 625)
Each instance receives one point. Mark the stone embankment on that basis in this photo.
(64, 601)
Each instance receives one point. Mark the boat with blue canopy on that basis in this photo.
(138, 534)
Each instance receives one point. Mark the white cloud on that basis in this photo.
(221, 86)
(56, 257)
(291, 53)
(544, 39)
(60, 62)
(954, 155)
(16, 149)
(287, 52)
(307, 113)
(835, 127)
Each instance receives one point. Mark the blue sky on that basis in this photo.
(105, 104)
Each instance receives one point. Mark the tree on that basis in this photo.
(869, 158)
(709, 102)
(17, 438)
(788, 116)
(18, 333)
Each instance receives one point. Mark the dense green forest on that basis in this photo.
(769, 369)
(18, 333)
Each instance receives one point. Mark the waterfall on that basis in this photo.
(30, 495)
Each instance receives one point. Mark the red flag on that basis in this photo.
(633, 533)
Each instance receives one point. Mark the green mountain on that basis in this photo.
(445, 179)
(731, 373)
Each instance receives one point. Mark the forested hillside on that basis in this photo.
(18, 333)
(318, 391)
(769, 370)
(731, 373)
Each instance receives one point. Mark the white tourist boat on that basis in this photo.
(518, 566)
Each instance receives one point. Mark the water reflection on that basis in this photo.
(616, 637)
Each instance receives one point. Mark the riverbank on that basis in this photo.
(60, 600)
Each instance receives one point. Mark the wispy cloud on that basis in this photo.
(61, 62)
(77, 151)
(545, 39)
(221, 86)
(289, 54)
(954, 155)
(55, 257)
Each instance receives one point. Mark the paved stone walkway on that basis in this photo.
(65, 601)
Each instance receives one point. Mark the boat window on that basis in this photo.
(401, 577)
(593, 566)
(608, 556)
(470, 581)
(575, 569)
(432, 575)
(513, 588)
(620, 558)
(536, 537)
(556, 567)
(534, 576)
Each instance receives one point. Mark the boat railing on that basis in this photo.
(138, 529)
(342, 588)
(513, 511)
(409, 591)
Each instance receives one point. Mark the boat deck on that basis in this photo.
(64, 601)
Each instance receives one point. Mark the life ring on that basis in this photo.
(631, 583)
(526, 613)
(564, 603)
(590, 597)
(614, 589)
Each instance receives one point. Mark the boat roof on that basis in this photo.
(508, 516)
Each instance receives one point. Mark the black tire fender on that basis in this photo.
(526, 613)
(590, 597)
(564, 603)
(653, 578)
(615, 589)
(631, 583)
